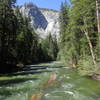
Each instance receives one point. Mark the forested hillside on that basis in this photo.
(19, 44)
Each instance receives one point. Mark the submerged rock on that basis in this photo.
(36, 96)
(51, 80)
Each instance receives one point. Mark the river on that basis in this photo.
(69, 85)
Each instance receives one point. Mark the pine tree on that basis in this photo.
(8, 27)
(63, 21)
(80, 38)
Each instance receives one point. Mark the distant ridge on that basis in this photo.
(47, 9)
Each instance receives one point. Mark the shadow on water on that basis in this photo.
(16, 78)
(37, 69)
(15, 81)
(21, 79)
(28, 70)
(7, 89)
(28, 73)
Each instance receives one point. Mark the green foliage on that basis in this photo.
(29, 47)
(75, 45)
(85, 66)
(69, 37)
(8, 29)
(26, 40)
(50, 47)
(18, 41)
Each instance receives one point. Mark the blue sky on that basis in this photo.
(52, 4)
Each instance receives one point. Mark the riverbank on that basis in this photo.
(87, 69)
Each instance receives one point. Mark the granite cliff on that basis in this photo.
(43, 20)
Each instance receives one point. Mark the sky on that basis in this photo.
(52, 4)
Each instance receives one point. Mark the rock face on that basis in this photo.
(53, 21)
(43, 20)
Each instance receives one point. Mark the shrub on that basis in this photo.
(85, 66)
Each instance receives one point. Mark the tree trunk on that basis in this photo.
(91, 47)
(98, 23)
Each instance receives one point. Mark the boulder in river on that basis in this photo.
(96, 77)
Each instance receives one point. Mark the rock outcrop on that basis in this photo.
(43, 20)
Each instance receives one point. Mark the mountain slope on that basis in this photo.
(44, 21)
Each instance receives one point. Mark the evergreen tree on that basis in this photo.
(50, 47)
(8, 28)
(63, 21)
(26, 39)
(77, 42)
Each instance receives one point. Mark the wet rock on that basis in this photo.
(96, 77)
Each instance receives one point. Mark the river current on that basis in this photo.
(69, 85)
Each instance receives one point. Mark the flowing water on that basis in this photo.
(69, 85)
